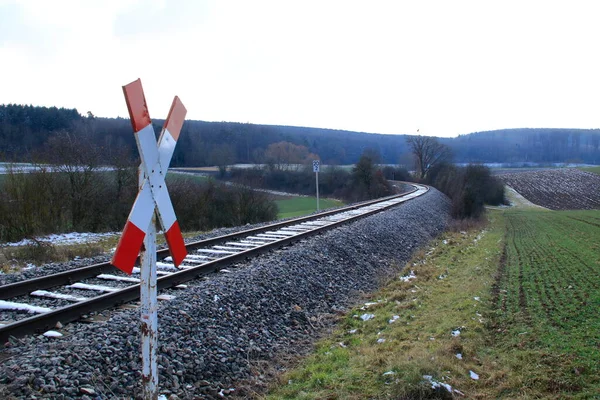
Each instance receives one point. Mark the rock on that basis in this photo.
(87, 390)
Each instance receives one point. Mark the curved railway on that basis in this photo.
(70, 289)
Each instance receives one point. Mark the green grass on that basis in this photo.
(299, 206)
(548, 302)
(524, 293)
(595, 170)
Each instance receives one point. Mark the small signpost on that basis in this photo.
(316, 167)
(139, 233)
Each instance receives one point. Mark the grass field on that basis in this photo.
(595, 170)
(548, 300)
(509, 311)
(299, 206)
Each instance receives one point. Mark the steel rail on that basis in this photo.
(69, 277)
(43, 322)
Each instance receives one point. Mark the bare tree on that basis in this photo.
(77, 158)
(428, 152)
(223, 155)
(287, 156)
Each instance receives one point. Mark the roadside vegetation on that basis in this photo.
(505, 310)
(366, 180)
(44, 202)
(470, 188)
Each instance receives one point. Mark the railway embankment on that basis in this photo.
(231, 327)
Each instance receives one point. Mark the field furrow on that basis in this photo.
(577, 189)
(553, 271)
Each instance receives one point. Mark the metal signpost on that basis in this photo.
(139, 233)
(316, 167)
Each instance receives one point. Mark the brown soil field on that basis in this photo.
(557, 189)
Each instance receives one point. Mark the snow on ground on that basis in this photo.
(64, 238)
(22, 168)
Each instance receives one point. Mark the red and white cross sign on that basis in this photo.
(153, 192)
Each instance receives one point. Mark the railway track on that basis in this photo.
(97, 287)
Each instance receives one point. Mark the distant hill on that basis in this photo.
(542, 145)
(25, 129)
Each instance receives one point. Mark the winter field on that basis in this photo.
(506, 310)
(557, 189)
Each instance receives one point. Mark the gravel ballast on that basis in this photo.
(221, 331)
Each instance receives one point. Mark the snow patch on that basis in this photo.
(110, 277)
(52, 334)
(64, 238)
(366, 317)
(435, 384)
(85, 286)
(408, 277)
(52, 295)
(9, 305)
(167, 266)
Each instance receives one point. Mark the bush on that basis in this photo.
(395, 173)
(365, 181)
(469, 188)
(332, 181)
(39, 202)
(44, 201)
(204, 206)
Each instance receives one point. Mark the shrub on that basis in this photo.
(365, 181)
(469, 188)
(395, 173)
(204, 206)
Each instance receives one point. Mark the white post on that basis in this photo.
(148, 311)
(317, 174)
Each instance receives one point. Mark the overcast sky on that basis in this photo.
(441, 67)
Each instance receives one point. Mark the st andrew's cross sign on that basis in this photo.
(153, 194)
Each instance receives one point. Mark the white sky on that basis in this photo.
(443, 67)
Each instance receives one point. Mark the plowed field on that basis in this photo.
(558, 189)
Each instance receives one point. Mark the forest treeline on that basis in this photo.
(26, 129)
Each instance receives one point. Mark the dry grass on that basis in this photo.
(496, 286)
(352, 364)
(13, 259)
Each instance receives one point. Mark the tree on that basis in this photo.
(78, 159)
(222, 156)
(286, 155)
(367, 181)
(427, 152)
